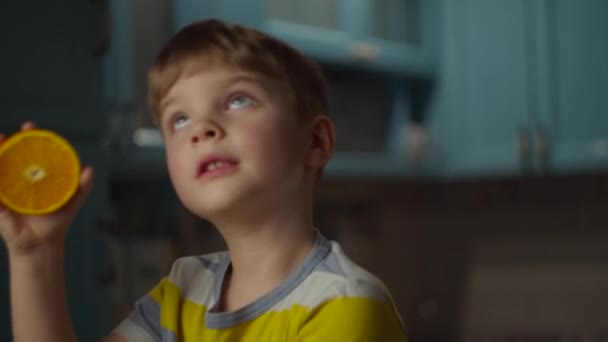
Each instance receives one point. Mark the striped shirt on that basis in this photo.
(329, 298)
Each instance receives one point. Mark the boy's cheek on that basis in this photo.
(265, 141)
(174, 166)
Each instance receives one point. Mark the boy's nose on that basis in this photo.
(206, 131)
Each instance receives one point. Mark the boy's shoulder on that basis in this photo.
(193, 275)
(337, 276)
(194, 264)
(333, 275)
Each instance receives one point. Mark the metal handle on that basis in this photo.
(523, 148)
(364, 51)
(523, 143)
(541, 142)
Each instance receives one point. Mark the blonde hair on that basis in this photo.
(208, 41)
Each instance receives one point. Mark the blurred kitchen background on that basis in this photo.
(471, 173)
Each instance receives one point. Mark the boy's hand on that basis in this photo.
(24, 234)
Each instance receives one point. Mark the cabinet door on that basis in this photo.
(319, 28)
(52, 65)
(404, 32)
(575, 83)
(323, 14)
(85, 262)
(363, 33)
(299, 22)
(383, 35)
(483, 91)
(370, 114)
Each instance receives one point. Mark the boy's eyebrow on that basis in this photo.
(247, 79)
(165, 103)
(225, 83)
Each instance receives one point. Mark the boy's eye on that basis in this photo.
(239, 101)
(179, 121)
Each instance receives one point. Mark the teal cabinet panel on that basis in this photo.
(329, 46)
(118, 89)
(345, 32)
(482, 103)
(392, 36)
(86, 263)
(405, 34)
(324, 14)
(186, 11)
(248, 13)
(323, 30)
(52, 57)
(573, 121)
(139, 29)
(522, 88)
(371, 117)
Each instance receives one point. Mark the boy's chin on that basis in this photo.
(218, 210)
(231, 204)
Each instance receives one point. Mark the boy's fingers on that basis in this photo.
(86, 179)
(24, 127)
(86, 185)
(28, 125)
(7, 218)
(7, 222)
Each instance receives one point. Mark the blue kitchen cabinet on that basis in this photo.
(393, 36)
(315, 27)
(86, 260)
(404, 32)
(521, 89)
(482, 106)
(52, 56)
(571, 131)
(370, 115)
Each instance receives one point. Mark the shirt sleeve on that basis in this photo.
(353, 320)
(143, 323)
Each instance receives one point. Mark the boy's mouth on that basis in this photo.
(215, 166)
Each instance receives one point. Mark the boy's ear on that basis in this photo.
(323, 141)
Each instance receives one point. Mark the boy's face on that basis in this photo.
(233, 142)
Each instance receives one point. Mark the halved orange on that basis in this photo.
(39, 172)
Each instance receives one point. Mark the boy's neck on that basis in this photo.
(270, 251)
(263, 256)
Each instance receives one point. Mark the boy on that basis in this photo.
(245, 125)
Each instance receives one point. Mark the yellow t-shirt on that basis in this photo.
(329, 298)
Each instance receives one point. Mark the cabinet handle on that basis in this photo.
(523, 148)
(541, 142)
(523, 144)
(364, 51)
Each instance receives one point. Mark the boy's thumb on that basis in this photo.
(7, 223)
(85, 187)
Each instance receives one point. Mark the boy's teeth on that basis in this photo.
(214, 165)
